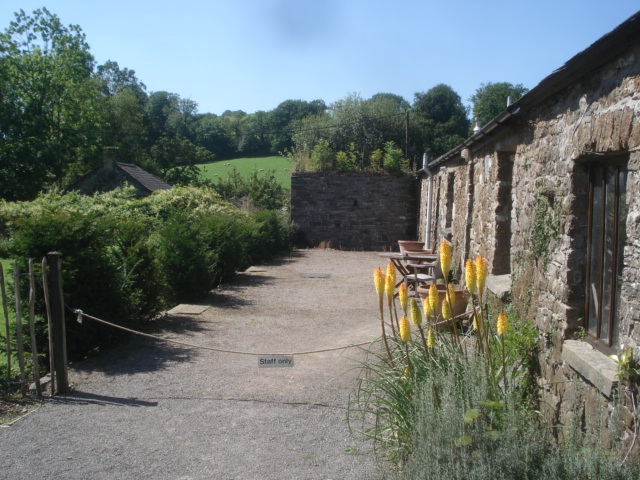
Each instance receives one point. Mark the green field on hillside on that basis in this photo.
(246, 166)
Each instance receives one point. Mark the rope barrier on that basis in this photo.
(80, 314)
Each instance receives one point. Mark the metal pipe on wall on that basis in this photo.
(427, 234)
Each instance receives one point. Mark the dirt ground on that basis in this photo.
(151, 409)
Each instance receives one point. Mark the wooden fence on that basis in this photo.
(53, 298)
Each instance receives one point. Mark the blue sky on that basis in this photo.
(253, 54)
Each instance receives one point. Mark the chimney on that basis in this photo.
(109, 159)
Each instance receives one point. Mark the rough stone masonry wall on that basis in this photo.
(597, 114)
(355, 211)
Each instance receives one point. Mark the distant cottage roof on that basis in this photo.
(114, 174)
(144, 179)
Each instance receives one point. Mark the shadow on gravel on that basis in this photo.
(82, 398)
(137, 356)
(143, 355)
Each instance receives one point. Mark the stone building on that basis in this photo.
(548, 192)
(113, 174)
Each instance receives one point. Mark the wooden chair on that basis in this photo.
(420, 273)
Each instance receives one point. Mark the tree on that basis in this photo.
(255, 138)
(160, 107)
(283, 120)
(124, 111)
(176, 158)
(490, 99)
(441, 118)
(49, 106)
(212, 133)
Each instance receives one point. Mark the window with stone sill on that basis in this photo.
(606, 236)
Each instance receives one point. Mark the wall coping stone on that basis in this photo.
(591, 364)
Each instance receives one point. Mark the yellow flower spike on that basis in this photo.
(502, 324)
(475, 323)
(416, 314)
(391, 270)
(431, 338)
(445, 258)
(426, 304)
(433, 299)
(481, 274)
(379, 278)
(446, 311)
(470, 276)
(451, 296)
(405, 329)
(390, 285)
(403, 296)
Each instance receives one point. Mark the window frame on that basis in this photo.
(619, 164)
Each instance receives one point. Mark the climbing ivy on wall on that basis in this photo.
(546, 227)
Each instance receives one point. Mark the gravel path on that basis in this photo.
(151, 409)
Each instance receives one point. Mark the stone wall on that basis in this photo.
(355, 211)
(521, 200)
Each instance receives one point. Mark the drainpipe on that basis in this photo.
(427, 234)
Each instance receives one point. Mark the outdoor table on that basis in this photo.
(407, 263)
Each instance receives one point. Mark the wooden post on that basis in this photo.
(16, 287)
(57, 322)
(32, 329)
(3, 293)
(47, 304)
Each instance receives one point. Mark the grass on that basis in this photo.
(7, 269)
(245, 167)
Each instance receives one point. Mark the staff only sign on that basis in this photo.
(275, 361)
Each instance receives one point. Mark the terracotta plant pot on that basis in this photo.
(409, 245)
(459, 304)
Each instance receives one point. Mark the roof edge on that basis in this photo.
(589, 59)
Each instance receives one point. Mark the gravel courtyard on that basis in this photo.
(151, 409)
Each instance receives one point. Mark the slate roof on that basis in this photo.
(142, 178)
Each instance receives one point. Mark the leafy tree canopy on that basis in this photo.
(49, 106)
(490, 99)
(441, 119)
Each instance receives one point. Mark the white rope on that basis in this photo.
(80, 314)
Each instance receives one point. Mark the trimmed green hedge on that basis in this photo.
(127, 259)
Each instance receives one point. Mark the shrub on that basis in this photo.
(127, 259)
(187, 262)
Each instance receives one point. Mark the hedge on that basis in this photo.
(127, 259)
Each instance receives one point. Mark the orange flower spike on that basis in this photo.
(405, 329)
(481, 274)
(445, 258)
(470, 276)
(416, 313)
(502, 324)
(403, 296)
(433, 299)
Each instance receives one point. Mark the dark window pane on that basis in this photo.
(595, 251)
